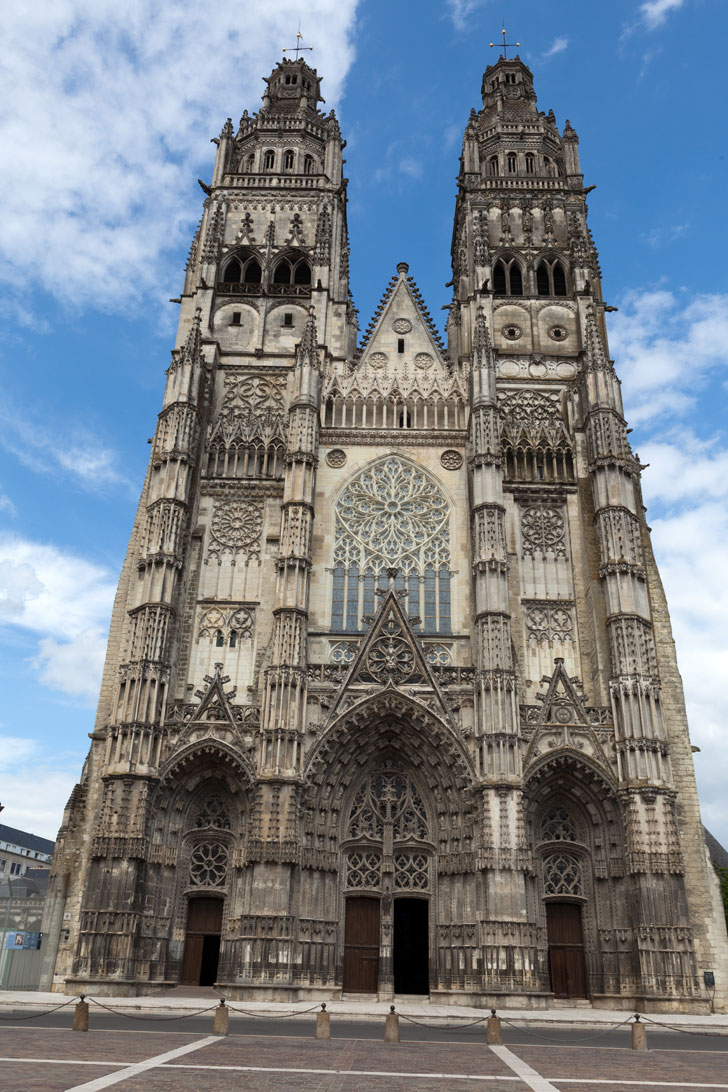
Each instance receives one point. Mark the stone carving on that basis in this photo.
(236, 528)
(391, 657)
(222, 622)
(343, 652)
(438, 655)
(424, 361)
(377, 360)
(214, 813)
(451, 460)
(543, 531)
(512, 332)
(401, 326)
(387, 798)
(363, 868)
(336, 457)
(562, 875)
(411, 871)
(208, 865)
(549, 621)
(558, 826)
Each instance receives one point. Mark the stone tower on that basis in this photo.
(391, 702)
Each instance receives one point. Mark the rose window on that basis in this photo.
(543, 530)
(237, 527)
(392, 515)
(208, 864)
(391, 658)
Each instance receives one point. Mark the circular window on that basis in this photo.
(558, 333)
(378, 360)
(424, 360)
(336, 457)
(402, 325)
(512, 332)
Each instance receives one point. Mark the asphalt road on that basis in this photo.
(296, 1027)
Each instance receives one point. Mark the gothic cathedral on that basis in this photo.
(391, 703)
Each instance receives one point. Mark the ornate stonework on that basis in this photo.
(390, 652)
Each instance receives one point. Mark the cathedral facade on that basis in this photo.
(391, 703)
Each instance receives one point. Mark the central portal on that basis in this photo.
(411, 955)
(202, 942)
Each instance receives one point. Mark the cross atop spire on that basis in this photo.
(505, 45)
(301, 48)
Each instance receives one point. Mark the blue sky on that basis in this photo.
(107, 125)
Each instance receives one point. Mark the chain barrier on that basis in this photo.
(581, 1039)
(35, 1015)
(273, 1015)
(685, 1031)
(149, 1016)
(443, 1027)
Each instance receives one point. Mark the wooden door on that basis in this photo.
(361, 945)
(204, 924)
(566, 949)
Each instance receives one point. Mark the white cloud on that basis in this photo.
(558, 46)
(109, 112)
(461, 10)
(64, 599)
(35, 789)
(49, 449)
(665, 346)
(6, 505)
(655, 12)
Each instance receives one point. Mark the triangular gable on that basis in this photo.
(214, 704)
(390, 655)
(562, 703)
(563, 723)
(402, 313)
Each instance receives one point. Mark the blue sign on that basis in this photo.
(16, 941)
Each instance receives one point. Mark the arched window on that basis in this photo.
(308, 164)
(512, 162)
(219, 639)
(507, 278)
(391, 515)
(253, 272)
(288, 160)
(558, 826)
(562, 875)
(233, 272)
(550, 278)
(493, 166)
(549, 166)
(250, 163)
(292, 270)
(269, 159)
(530, 163)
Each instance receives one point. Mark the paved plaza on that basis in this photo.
(55, 1059)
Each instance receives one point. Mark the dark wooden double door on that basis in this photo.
(202, 942)
(566, 949)
(410, 947)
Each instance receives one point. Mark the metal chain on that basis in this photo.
(35, 1015)
(273, 1015)
(581, 1039)
(685, 1031)
(150, 1016)
(444, 1027)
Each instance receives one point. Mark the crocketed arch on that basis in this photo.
(535, 441)
(391, 514)
(390, 726)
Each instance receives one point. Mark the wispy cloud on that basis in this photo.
(109, 111)
(66, 601)
(6, 505)
(461, 10)
(662, 236)
(655, 12)
(45, 448)
(558, 46)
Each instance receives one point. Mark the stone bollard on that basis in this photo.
(221, 1025)
(493, 1030)
(80, 1015)
(323, 1023)
(639, 1034)
(391, 1026)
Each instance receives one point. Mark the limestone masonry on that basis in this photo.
(391, 703)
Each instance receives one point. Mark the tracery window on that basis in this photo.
(292, 270)
(214, 813)
(562, 875)
(208, 864)
(558, 826)
(550, 278)
(392, 515)
(507, 278)
(388, 809)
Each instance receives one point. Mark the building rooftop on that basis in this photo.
(25, 840)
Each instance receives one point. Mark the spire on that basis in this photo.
(307, 351)
(483, 369)
(191, 350)
(596, 356)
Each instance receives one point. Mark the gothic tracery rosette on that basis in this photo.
(208, 864)
(543, 530)
(236, 528)
(391, 659)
